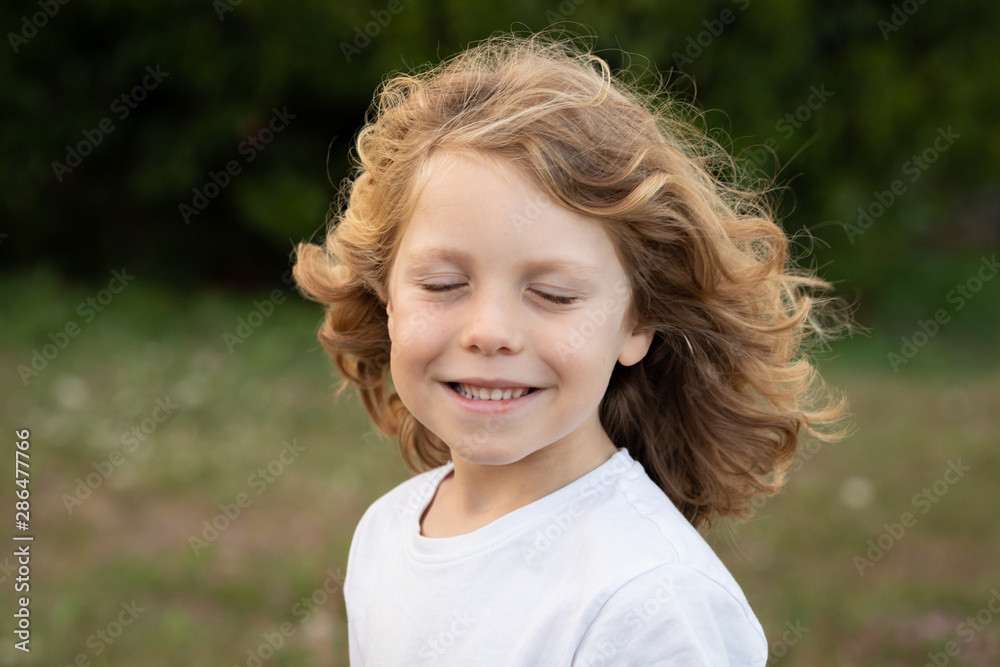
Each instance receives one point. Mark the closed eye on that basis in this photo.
(554, 298)
(439, 288)
(563, 300)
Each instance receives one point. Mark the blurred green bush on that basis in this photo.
(837, 98)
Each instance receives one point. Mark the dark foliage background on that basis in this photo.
(891, 88)
(838, 100)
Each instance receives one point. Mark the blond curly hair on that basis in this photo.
(716, 410)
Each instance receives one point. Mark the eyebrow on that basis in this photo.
(423, 256)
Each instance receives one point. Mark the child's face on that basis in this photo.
(489, 233)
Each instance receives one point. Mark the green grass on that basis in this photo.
(130, 539)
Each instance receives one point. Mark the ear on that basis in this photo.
(388, 313)
(635, 347)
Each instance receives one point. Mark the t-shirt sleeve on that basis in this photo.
(358, 574)
(673, 615)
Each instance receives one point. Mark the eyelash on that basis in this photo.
(561, 300)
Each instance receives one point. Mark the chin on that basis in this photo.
(485, 455)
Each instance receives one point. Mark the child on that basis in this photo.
(595, 349)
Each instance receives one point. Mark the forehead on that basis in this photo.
(468, 199)
(428, 254)
(443, 166)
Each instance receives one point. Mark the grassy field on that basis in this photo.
(159, 417)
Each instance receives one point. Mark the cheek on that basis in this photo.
(587, 339)
(416, 325)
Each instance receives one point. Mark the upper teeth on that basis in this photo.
(491, 394)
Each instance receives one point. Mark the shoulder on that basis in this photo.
(674, 614)
(402, 502)
(388, 517)
(668, 593)
(639, 517)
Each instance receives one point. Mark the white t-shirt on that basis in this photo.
(604, 571)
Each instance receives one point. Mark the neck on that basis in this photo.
(491, 491)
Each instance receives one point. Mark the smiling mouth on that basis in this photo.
(487, 394)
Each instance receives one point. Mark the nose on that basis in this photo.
(493, 325)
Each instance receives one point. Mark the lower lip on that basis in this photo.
(492, 407)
